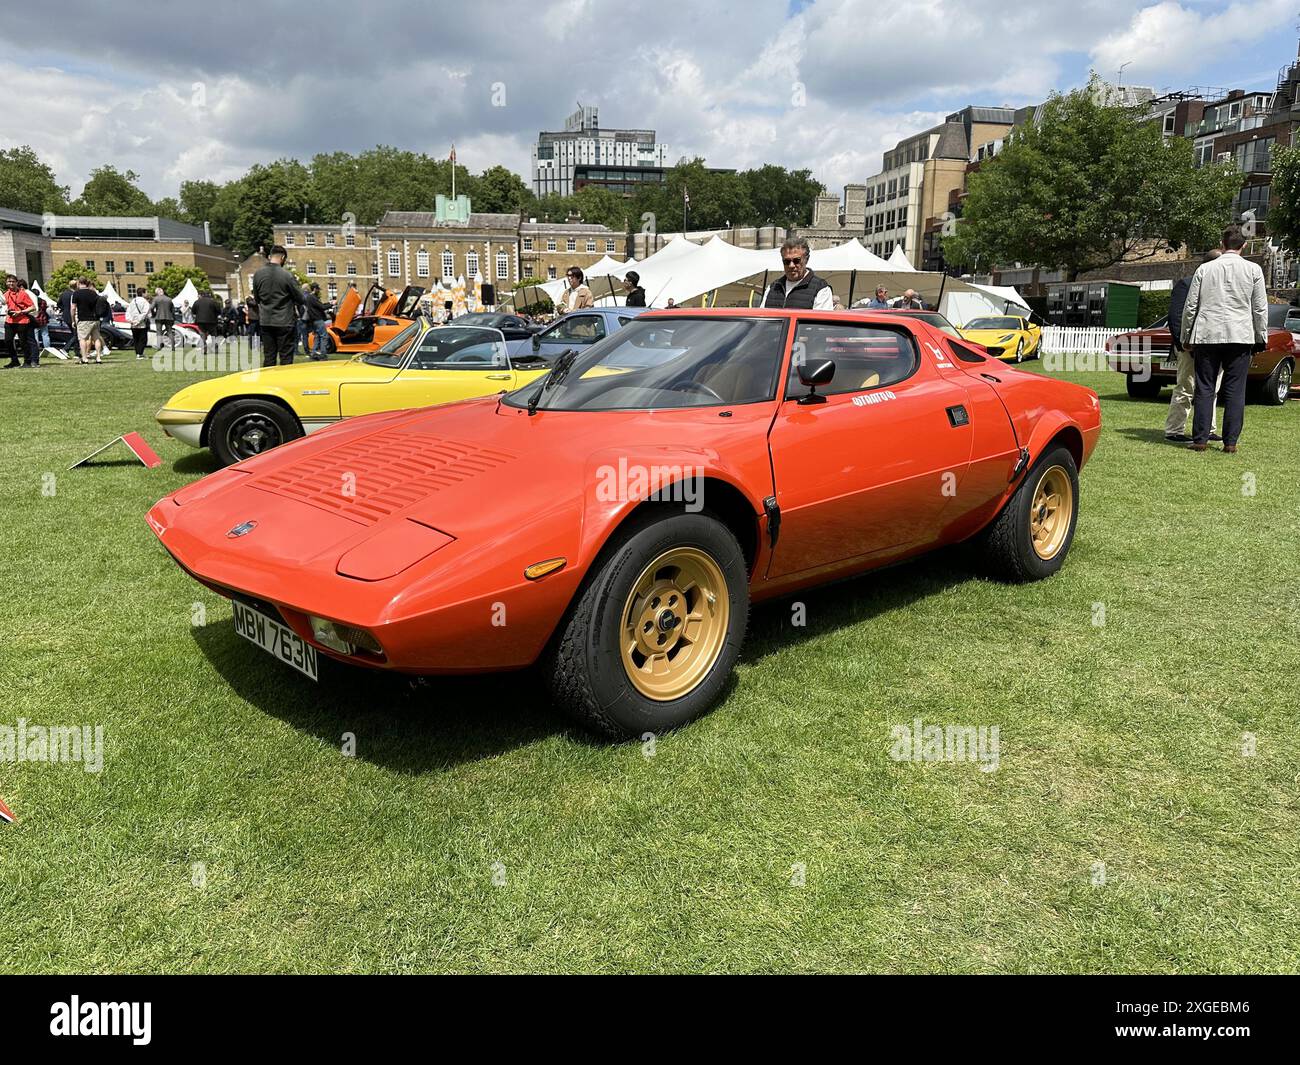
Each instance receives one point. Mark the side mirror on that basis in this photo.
(812, 374)
(537, 342)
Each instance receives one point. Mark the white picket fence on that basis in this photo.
(1061, 339)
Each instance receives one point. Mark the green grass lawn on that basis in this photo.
(474, 830)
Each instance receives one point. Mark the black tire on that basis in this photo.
(243, 428)
(584, 663)
(1274, 391)
(1006, 543)
(1020, 350)
(1148, 389)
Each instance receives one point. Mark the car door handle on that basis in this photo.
(498, 377)
(990, 377)
(957, 416)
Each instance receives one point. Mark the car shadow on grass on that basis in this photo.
(200, 463)
(1149, 435)
(426, 724)
(408, 724)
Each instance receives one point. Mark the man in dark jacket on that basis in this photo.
(800, 288)
(278, 299)
(313, 316)
(65, 310)
(206, 312)
(1180, 404)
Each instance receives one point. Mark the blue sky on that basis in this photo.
(826, 84)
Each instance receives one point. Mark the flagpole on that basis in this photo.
(453, 173)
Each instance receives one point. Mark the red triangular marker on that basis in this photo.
(135, 442)
(6, 814)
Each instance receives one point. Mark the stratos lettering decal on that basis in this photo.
(873, 398)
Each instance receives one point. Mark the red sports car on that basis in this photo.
(614, 519)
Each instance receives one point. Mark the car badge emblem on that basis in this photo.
(242, 529)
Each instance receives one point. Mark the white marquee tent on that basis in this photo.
(719, 274)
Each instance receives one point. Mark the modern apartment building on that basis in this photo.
(605, 155)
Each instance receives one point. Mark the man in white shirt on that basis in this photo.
(799, 288)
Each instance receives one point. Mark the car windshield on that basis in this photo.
(394, 352)
(937, 320)
(993, 323)
(460, 347)
(665, 363)
(484, 318)
(1278, 314)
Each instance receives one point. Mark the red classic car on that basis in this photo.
(614, 519)
(1148, 361)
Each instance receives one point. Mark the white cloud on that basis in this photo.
(739, 84)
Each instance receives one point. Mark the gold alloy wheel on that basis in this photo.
(674, 623)
(1051, 511)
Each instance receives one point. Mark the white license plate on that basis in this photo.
(276, 639)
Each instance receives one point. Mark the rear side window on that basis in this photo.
(864, 356)
(966, 352)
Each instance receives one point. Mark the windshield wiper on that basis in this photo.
(558, 373)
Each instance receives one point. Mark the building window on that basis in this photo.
(310, 240)
(352, 268)
(528, 243)
(333, 290)
(131, 291)
(1171, 121)
(550, 243)
(448, 266)
(550, 273)
(110, 266)
(167, 262)
(148, 266)
(288, 240)
(591, 245)
(394, 262)
(503, 266)
(90, 264)
(311, 266)
(350, 239)
(609, 246)
(571, 244)
(330, 267)
(329, 240)
(422, 263)
(471, 264)
(130, 266)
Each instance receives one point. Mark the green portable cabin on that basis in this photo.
(1108, 304)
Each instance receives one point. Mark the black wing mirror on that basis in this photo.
(537, 342)
(812, 374)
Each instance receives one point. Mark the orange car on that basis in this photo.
(383, 315)
(624, 509)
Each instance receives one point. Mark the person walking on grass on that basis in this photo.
(314, 315)
(1224, 322)
(41, 323)
(20, 315)
(85, 301)
(205, 317)
(164, 315)
(1180, 404)
(137, 317)
(278, 299)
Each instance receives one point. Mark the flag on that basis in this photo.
(686, 196)
(453, 155)
(6, 814)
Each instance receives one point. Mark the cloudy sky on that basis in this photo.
(179, 90)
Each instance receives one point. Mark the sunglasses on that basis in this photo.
(796, 261)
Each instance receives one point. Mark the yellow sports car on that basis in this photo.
(1005, 337)
(244, 414)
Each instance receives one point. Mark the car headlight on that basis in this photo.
(343, 638)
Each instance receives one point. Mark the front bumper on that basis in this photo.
(183, 425)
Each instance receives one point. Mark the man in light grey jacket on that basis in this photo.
(1224, 322)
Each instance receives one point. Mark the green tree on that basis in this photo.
(246, 210)
(171, 279)
(27, 184)
(780, 197)
(111, 192)
(66, 275)
(498, 190)
(1284, 215)
(197, 201)
(1086, 186)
